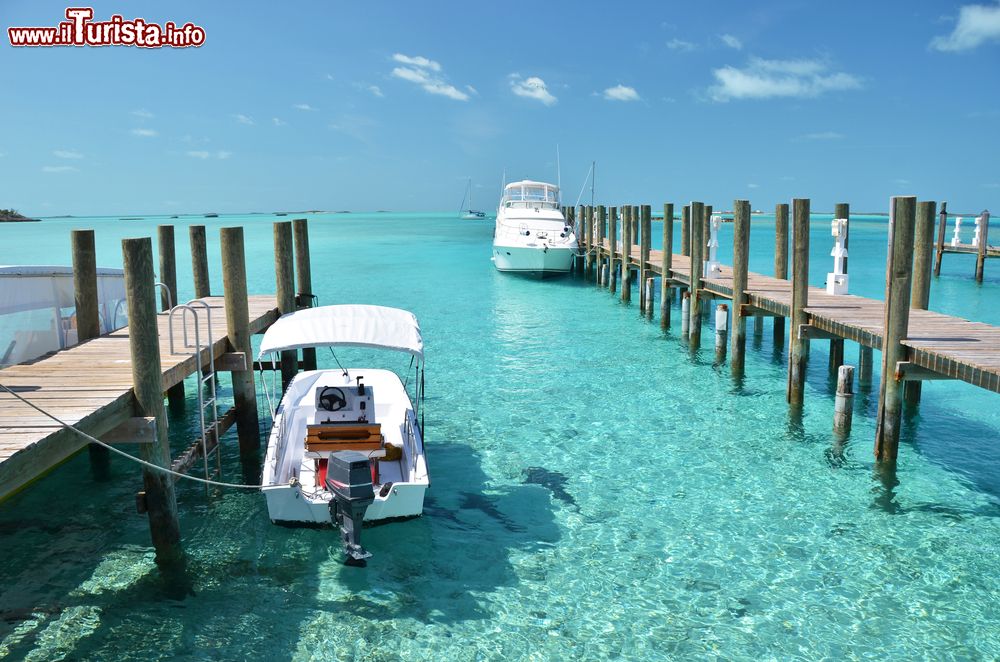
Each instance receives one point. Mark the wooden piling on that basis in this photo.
(303, 279)
(666, 265)
(88, 320)
(686, 230)
(600, 232)
(865, 361)
(627, 223)
(650, 295)
(984, 231)
(168, 276)
(199, 261)
(685, 314)
(285, 277)
(635, 224)
(613, 249)
(843, 408)
(741, 269)
(234, 285)
(902, 219)
(697, 222)
(758, 327)
(780, 263)
(800, 299)
(144, 347)
(721, 322)
(942, 228)
(920, 292)
(645, 221)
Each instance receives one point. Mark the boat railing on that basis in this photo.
(410, 439)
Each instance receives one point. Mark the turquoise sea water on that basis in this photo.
(598, 492)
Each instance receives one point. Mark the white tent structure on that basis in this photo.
(38, 311)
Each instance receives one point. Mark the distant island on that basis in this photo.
(12, 216)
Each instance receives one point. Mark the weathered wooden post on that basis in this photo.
(199, 261)
(168, 276)
(800, 299)
(650, 296)
(843, 408)
(983, 222)
(570, 219)
(635, 224)
(627, 224)
(600, 231)
(645, 220)
(303, 278)
(780, 263)
(721, 322)
(88, 321)
(942, 228)
(234, 285)
(902, 219)
(686, 230)
(865, 361)
(666, 265)
(685, 314)
(697, 223)
(285, 290)
(158, 498)
(612, 249)
(841, 210)
(920, 293)
(741, 268)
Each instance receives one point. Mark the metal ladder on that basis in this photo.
(208, 411)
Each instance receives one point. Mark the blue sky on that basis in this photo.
(390, 105)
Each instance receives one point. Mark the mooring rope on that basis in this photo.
(150, 465)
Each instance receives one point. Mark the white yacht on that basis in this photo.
(531, 235)
(346, 446)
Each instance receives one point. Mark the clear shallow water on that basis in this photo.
(597, 491)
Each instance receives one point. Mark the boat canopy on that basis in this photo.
(350, 325)
(528, 192)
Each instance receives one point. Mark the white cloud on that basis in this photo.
(304, 106)
(901, 182)
(67, 154)
(418, 61)
(374, 89)
(764, 79)
(680, 45)
(62, 168)
(426, 74)
(278, 122)
(731, 41)
(472, 90)
(244, 119)
(823, 135)
(143, 113)
(621, 93)
(753, 185)
(531, 87)
(977, 24)
(204, 155)
(143, 133)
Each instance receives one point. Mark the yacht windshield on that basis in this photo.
(536, 195)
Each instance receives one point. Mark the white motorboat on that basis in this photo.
(346, 446)
(531, 235)
(468, 213)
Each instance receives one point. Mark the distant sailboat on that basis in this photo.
(468, 212)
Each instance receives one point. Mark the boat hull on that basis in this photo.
(533, 261)
(288, 504)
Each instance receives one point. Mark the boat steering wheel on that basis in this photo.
(332, 398)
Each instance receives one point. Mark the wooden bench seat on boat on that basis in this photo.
(325, 437)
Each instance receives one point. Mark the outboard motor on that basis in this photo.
(349, 478)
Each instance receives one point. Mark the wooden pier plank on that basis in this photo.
(90, 386)
(951, 346)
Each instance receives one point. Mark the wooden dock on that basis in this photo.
(916, 344)
(90, 386)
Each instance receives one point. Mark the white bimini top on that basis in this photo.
(345, 325)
